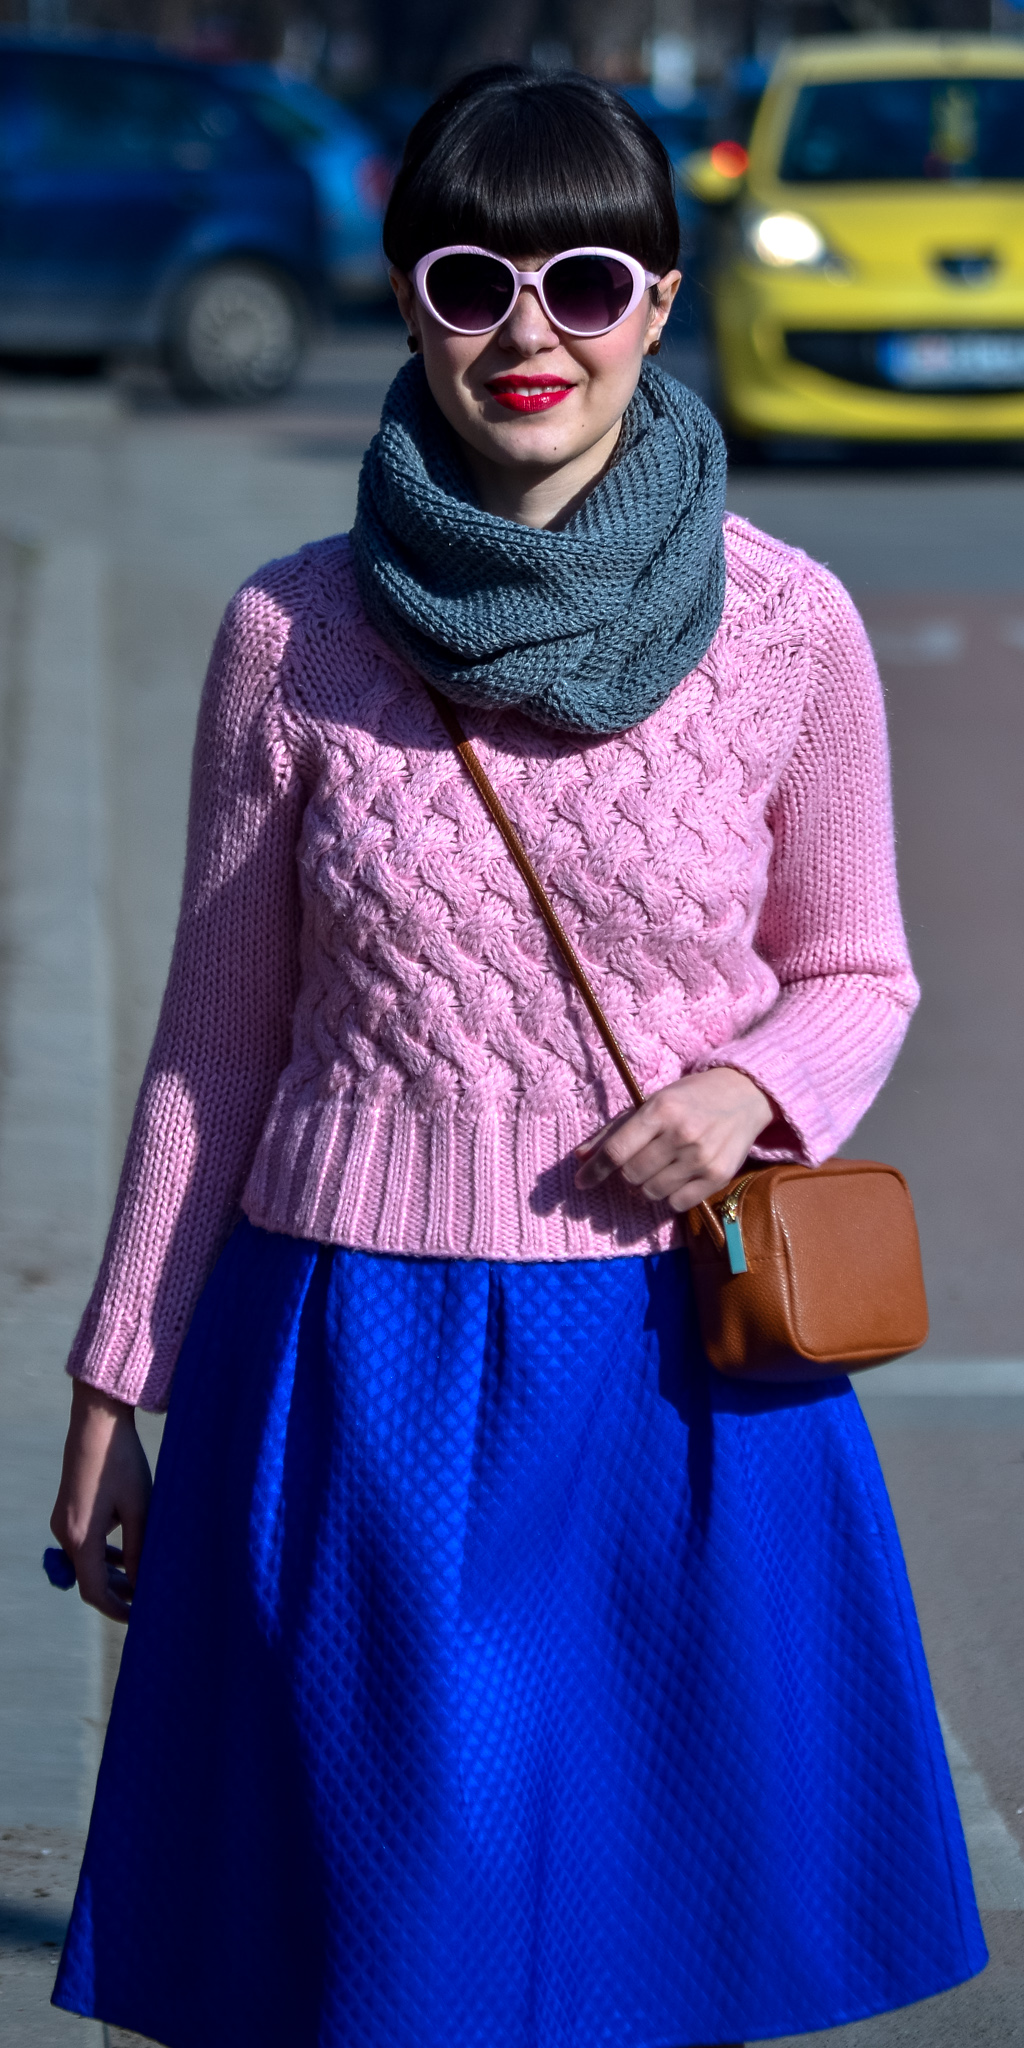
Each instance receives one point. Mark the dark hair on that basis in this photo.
(527, 165)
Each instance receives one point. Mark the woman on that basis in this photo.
(497, 1674)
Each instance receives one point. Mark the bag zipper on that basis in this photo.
(729, 1211)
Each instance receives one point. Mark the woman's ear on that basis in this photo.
(667, 289)
(408, 304)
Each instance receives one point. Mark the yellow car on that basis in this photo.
(870, 282)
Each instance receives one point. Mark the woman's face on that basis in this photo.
(528, 398)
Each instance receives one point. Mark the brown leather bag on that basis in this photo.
(800, 1272)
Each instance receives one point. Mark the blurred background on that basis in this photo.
(207, 183)
(354, 45)
(196, 336)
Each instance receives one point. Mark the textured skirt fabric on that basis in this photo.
(500, 1677)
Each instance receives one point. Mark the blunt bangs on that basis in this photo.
(528, 165)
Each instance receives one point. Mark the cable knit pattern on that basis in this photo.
(365, 1038)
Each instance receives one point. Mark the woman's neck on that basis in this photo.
(540, 497)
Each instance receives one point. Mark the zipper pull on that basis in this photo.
(733, 1234)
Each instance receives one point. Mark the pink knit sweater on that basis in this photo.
(365, 1037)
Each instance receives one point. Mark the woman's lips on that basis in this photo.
(529, 394)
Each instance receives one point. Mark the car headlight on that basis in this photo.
(786, 241)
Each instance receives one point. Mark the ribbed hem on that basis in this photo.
(498, 1185)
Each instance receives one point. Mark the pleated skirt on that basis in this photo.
(499, 1676)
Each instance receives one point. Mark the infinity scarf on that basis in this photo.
(589, 628)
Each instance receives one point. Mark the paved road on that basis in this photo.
(124, 526)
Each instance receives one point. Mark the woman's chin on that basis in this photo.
(545, 439)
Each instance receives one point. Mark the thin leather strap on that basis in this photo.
(486, 791)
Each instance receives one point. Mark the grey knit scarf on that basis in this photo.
(589, 628)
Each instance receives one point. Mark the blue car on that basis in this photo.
(143, 203)
(351, 174)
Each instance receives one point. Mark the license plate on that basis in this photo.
(964, 362)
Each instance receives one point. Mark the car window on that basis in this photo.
(82, 114)
(906, 128)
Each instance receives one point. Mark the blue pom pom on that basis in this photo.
(59, 1569)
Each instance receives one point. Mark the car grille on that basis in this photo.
(924, 362)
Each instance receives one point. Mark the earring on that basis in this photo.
(655, 347)
(412, 344)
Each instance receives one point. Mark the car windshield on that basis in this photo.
(906, 128)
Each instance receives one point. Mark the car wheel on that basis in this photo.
(236, 332)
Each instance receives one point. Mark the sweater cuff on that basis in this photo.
(114, 1353)
(822, 1060)
(790, 1135)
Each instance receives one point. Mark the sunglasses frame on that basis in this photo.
(642, 281)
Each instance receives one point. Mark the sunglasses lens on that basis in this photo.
(588, 293)
(473, 292)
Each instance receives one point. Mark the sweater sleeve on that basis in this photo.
(830, 926)
(224, 1028)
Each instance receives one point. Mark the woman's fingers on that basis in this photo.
(608, 1150)
(677, 1178)
(103, 1579)
(593, 1145)
(685, 1142)
(118, 1587)
(682, 1189)
(101, 1583)
(105, 1483)
(645, 1146)
(98, 1581)
(658, 1155)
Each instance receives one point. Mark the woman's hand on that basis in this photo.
(685, 1143)
(106, 1480)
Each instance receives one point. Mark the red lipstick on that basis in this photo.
(529, 394)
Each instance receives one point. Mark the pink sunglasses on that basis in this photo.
(583, 291)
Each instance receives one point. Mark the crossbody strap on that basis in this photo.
(488, 794)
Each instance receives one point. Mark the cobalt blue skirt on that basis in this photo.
(499, 1677)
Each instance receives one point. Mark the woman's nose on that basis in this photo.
(527, 328)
